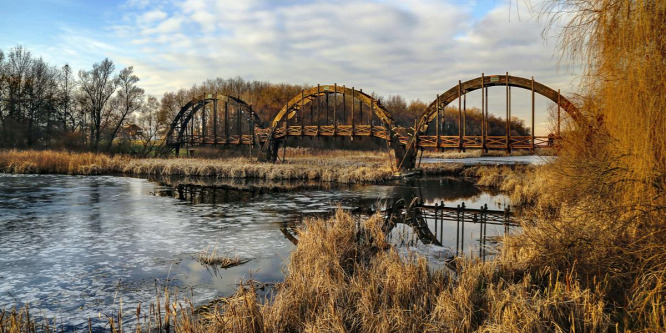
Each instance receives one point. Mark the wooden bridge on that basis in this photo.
(339, 111)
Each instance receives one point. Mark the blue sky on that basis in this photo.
(413, 48)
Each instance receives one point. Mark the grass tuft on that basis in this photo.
(210, 257)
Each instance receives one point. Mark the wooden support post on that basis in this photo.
(252, 130)
(302, 113)
(360, 109)
(437, 123)
(458, 229)
(487, 116)
(510, 114)
(436, 211)
(238, 121)
(326, 93)
(508, 119)
(191, 130)
(215, 120)
(226, 121)
(533, 130)
(481, 235)
(464, 127)
(372, 112)
(352, 113)
(203, 119)
(558, 113)
(335, 103)
(344, 105)
(483, 114)
(318, 108)
(460, 123)
(462, 231)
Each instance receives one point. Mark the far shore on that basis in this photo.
(345, 167)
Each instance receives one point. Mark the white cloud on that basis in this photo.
(415, 49)
(151, 16)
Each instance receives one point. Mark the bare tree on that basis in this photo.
(65, 97)
(129, 98)
(150, 124)
(39, 93)
(97, 86)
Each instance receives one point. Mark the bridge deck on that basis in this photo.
(424, 141)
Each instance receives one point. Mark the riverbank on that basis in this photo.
(343, 167)
(344, 276)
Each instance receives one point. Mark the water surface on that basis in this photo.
(74, 246)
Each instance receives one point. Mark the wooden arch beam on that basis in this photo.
(306, 96)
(495, 80)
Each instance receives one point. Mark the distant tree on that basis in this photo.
(147, 119)
(416, 108)
(17, 67)
(39, 95)
(66, 85)
(397, 106)
(170, 105)
(97, 87)
(128, 100)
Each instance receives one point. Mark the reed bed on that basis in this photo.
(59, 162)
(326, 170)
(361, 167)
(343, 276)
(300, 164)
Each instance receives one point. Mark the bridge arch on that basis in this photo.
(486, 81)
(462, 141)
(351, 114)
(223, 120)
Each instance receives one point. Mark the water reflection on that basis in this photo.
(432, 203)
(71, 246)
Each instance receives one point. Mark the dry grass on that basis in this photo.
(59, 162)
(343, 277)
(524, 184)
(336, 166)
(20, 320)
(210, 257)
(321, 169)
(452, 154)
(353, 168)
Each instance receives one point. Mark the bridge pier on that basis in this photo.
(272, 147)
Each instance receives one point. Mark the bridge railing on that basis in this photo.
(196, 140)
(327, 130)
(492, 142)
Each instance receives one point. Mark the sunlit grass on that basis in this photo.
(59, 162)
(300, 164)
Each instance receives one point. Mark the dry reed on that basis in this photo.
(59, 162)
(210, 257)
(343, 276)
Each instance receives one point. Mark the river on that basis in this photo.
(73, 246)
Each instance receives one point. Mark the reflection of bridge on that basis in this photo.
(338, 111)
(429, 225)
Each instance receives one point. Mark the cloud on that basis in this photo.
(416, 49)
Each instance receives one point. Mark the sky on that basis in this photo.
(416, 49)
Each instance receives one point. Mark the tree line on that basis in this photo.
(105, 109)
(44, 106)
